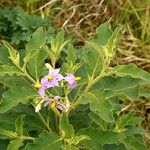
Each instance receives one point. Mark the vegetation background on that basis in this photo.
(80, 18)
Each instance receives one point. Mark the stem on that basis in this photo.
(44, 122)
(27, 138)
(29, 77)
(56, 112)
(90, 84)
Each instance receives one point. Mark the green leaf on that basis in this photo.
(15, 144)
(8, 134)
(123, 121)
(119, 86)
(37, 41)
(98, 120)
(70, 147)
(36, 64)
(15, 95)
(5, 69)
(114, 147)
(71, 56)
(14, 56)
(14, 81)
(99, 103)
(132, 143)
(5, 127)
(103, 34)
(80, 138)
(98, 138)
(11, 50)
(65, 127)
(19, 125)
(144, 92)
(132, 93)
(45, 141)
(111, 42)
(94, 60)
(60, 38)
(131, 70)
(4, 56)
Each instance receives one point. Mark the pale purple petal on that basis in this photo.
(73, 85)
(56, 98)
(64, 107)
(55, 72)
(41, 91)
(44, 81)
(70, 78)
(58, 77)
(59, 107)
(50, 71)
(48, 102)
(53, 83)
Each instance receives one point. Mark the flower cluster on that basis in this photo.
(52, 80)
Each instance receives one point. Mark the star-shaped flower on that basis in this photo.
(55, 102)
(72, 80)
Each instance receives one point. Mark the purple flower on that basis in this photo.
(55, 103)
(72, 80)
(51, 80)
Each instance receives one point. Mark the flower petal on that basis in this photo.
(58, 77)
(53, 83)
(55, 72)
(44, 81)
(41, 91)
(70, 78)
(73, 85)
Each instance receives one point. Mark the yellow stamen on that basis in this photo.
(38, 85)
(53, 104)
(49, 77)
(77, 78)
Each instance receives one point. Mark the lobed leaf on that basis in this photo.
(44, 142)
(99, 103)
(98, 138)
(10, 70)
(131, 70)
(94, 61)
(15, 95)
(132, 143)
(19, 125)
(37, 41)
(65, 127)
(36, 64)
(15, 144)
(11, 50)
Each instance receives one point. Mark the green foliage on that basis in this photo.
(16, 26)
(99, 104)
(88, 116)
(35, 55)
(15, 144)
(45, 141)
(65, 127)
(15, 95)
